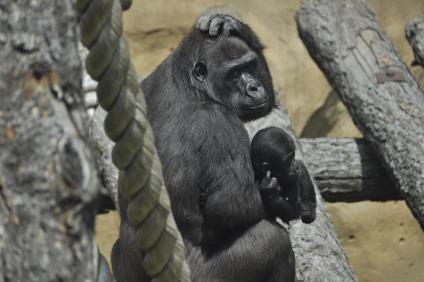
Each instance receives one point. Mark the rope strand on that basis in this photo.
(134, 154)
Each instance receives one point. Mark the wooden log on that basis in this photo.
(414, 33)
(385, 101)
(319, 254)
(48, 184)
(346, 170)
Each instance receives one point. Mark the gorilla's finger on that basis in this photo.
(227, 28)
(203, 22)
(215, 25)
(198, 21)
(268, 175)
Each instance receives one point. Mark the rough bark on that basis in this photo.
(364, 67)
(414, 32)
(319, 254)
(346, 170)
(48, 185)
(108, 172)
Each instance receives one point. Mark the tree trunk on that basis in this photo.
(47, 182)
(319, 254)
(385, 101)
(346, 170)
(414, 32)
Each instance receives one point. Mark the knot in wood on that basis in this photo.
(390, 74)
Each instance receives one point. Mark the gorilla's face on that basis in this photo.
(231, 73)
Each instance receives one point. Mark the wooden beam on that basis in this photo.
(346, 170)
(383, 98)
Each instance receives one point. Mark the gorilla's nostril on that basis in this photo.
(253, 88)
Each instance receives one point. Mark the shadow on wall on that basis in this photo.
(323, 121)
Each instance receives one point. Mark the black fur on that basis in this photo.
(103, 271)
(197, 101)
(273, 153)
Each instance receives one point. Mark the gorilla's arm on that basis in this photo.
(307, 196)
(229, 198)
(284, 209)
(275, 205)
(300, 192)
(296, 198)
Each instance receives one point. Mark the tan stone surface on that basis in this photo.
(107, 231)
(388, 244)
(383, 240)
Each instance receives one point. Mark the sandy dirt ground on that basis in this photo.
(382, 240)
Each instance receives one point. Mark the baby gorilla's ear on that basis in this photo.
(288, 160)
(308, 201)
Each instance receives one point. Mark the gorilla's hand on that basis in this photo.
(269, 189)
(216, 24)
(275, 205)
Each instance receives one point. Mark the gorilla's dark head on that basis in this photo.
(231, 73)
(272, 149)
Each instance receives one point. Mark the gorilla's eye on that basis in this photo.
(200, 71)
(235, 74)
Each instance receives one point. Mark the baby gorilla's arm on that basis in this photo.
(275, 205)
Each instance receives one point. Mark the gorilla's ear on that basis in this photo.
(289, 160)
(200, 71)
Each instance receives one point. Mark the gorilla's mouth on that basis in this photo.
(257, 107)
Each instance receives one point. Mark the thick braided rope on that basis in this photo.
(134, 154)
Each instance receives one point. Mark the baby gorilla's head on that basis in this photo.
(272, 149)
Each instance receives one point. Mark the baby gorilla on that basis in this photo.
(285, 185)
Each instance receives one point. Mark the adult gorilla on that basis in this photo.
(198, 99)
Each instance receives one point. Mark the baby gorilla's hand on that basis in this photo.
(269, 188)
(275, 205)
